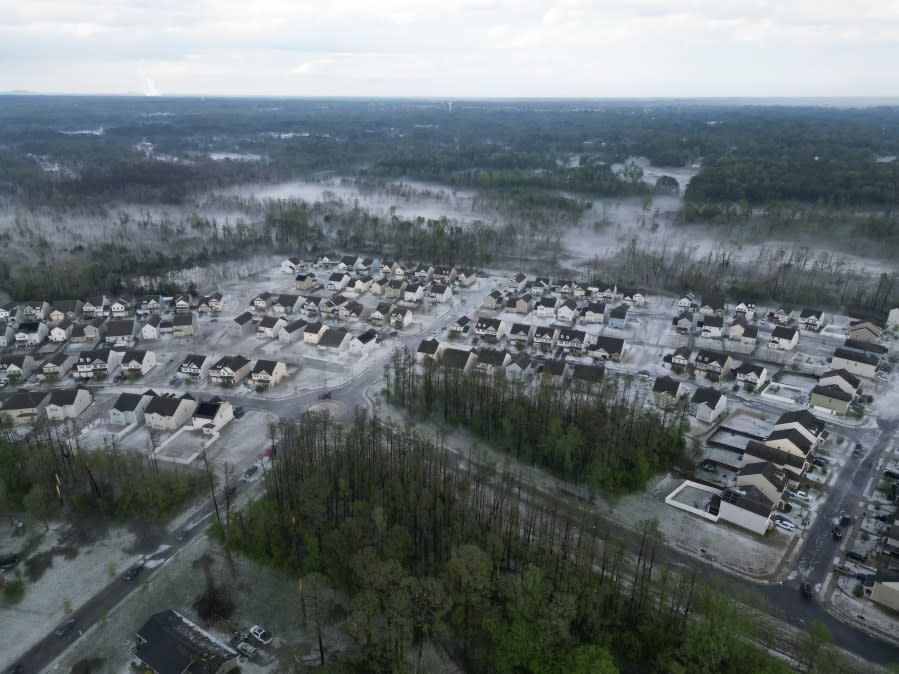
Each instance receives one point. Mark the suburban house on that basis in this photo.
(400, 317)
(210, 303)
(588, 376)
(268, 373)
(680, 359)
(305, 281)
(458, 359)
(687, 303)
(428, 348)
(9, 312)
(349, 263)
(783, 338)
(811, 319)
(803, 421)
(184, 325)
(516, 283)
(63, 309)
(618, 316)
(120, 308)
(683, 322)
(211, 416)
(666, 392)
(423, 272)
(191, 367)
(119, 332)
(262, 301)
(438, 292)
(150, 329)
(58, 365)
(414, 292)
(287, 304)
(34, 310)
(7, 335)
(752, 376)
(712, 326)
(312, 332)
(606, 348)
(492, 360)
(242, 325)
(563, 288)
(635, 296)
(270, 326)
(394, 289)
(831, 398)
(781, 316)
(859, 364)
(312, 307)
(545, 337)
(338, 280)
(326, 261)
(494, 300)
(30, 334)
(847, 381)
(567, 311)
(872, 348)
(444, 274)
(744, 333)
(97, 364)
(794, 465)
(291, 265)
(707, 404)
(519, 366)
(361, 284)
(364, 342)
(229, 370)
(520, 333)
(182, 304)
(379, 285)
(744, 311)
(168, 412)
(746, 507)
(865, 331)
(461, 326)
(68, 403)
(137, 362)
(885, 590)
(546, 307)
(713, 364)
(150, 305)
(292, 332)
(23, 407)
(61, 332)
(16, 369)
(594, 312)
(523, 304)
(93, 307)
(466, 278)
(767, 478)
(555, 371)
(712, 305)
(352, 311)
(129, 408)
(581, 291)
(607, 291)
(490, 328)
(381, 314)
(337, 339)
(573, 341)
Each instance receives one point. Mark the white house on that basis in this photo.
(268, 373)
(784, 338)
(24, 406)
(137, 362)
(595, 312)
(287, 304)
(546, 307)
(747, 507)
(859, 364)
(338, 280)
(414, 292)
(708, 404)
(337, 339)
(292, 265)
(811, 319)
(242, 325)
(169, 413)
(567, 312)
(712, 327)
(364, 342)
(68, 403)
(745, 311)
(270, 326)
(62, 331)
(129, 408)
(192, 367)
(440, 293)
(229, 370)
(97, 363)
(150, 329)
(30, 334)
(400, 317)
(210, 416)
(292, 332)
(184, 325)
(752, 375)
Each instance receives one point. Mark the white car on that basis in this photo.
(246, 649)
(261, 635)
(786, 526)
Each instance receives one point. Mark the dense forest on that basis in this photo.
(429, 552)
(600, 433)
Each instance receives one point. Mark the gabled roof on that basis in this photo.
(294, 326)
(748, 497)
(783, 332)
(520, 329)
(67, 396)
(666, 385)
(867, 347)
(811, 313)
(265, 366)
(832, 391)
(588, 373)
(485, 323)
(183, 319)
(233, 363)
(569, 335)
(619, 312)
(848, 377)
(569, 304)
(333, 337)
(596, 307)
(683, 351)
(313, 328)
(166, 405)
(171, 643)
(134, 355)
(122, 328)
(244, 318)
(750, 368)
(128, 402)
(193, 360)
(803, 417)
(94, 355)
(269, 322)
(384, 308)
(707, 357)
(548, 302)
(57, 359)
(23, 400)
(554, 368)
(29, 327)
(792, 435)
(713, 321)
(766, 469)
(428, 347)
(713, 301)
(706, 396)
(494, 357)
(455, 358)
(337, 276)
(775, 455)
(287, 300)
(367, 336)
(543, 332)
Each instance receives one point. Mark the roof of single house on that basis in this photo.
(707, 357)
(570, 335)
(706, 396)
(494, 357)
(313, 328)
(455, 358)
(848, 377)
(57, 359)
(208, 409)
(183, 319)
(166, 405)
(811, 313)
(750, 368)
(128, 402)
(367, 336)
(123, 328)
(171, 643)
(333, 337)
(136, 355)
(233, 363)
(294, 326)
(94, 355)
(66, 396)
(548, 302)
(588, 373)
(555, 368)
(269, 322)
(803, 417)
(832, 391)
(611, 345)
(29, 327)
(193, 360)
(751, 498)
(775, 455)
(23, 400)
(792, 435)
(666, 385)
(619, 312)
(683, 352)
(542, 331)
(428, 347)
(713, 321)
(596, 307)
(766, 469)
(713, 301)
(520, 329)
(244, 318)
(867, 347)
(783, 332)
(265, 366)
(486, 323)
(287, 300)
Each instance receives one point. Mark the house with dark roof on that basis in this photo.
(712, 364)
(269, 327)
(30, 334)
(68, 403)
(606, 348)
(119, 331)
(571, 340)
(752, 376)
(744, 333)
(683, 322)
(458, 359)
(169, 643)
(520, 333)
(241, 325)
(210, 416)
(336, 339)
(680, 359)
(811, 319)
(364, 342)
(58, 365)
(589, 376)
(229, 370)
(461, 326)
(767, 478)
(793, 465)
(618, 316)
(790, 440)
(137, 362)
(712, 304)
(490, 328)
(16, 368)
(747, 507)
(492, 360)
(707, 404)
(831, 399)
(545, 337)
(98, 363)
(192, 367)
(24, 407)
(712, 327)
(555, 371)
(567, 311)
(168, 412)
(666, 391)
(847, 381)
(859, 364)
(783, 338)
(268, 373)
(546, 307)
(428, 349)
(594, 312)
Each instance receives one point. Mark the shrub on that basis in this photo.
(14, 590)
(214, 602)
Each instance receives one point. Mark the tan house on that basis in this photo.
(859, 364)
(229, 370)
(168, 412)
(313, 332)
(24, 406)
(268, 373)
(68, 403)
(138, 362)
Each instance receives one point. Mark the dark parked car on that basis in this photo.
(325, 396)
(845, 520)
(8, 561)
(133, 572)
(892, 474)
(251, 471)
(857, 556)
(806, 589)
(238, 412)
(65, 628)
(837, 533)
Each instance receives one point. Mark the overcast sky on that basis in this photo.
(446, 48)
